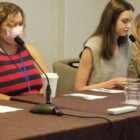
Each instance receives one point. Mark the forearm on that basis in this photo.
(118, 82)
(4, 97)
(106, 84)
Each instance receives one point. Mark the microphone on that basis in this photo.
(132, 38)
(49, 107)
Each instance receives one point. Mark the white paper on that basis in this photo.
(85, 96)
(4, 109)
(107, 90)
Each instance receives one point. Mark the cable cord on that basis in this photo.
(112, 133)
(85, 116)
(98, 117)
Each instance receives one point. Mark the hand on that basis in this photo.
(42, 91)
(4, 97)
(120, 81)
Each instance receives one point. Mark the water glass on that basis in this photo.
(132, 93)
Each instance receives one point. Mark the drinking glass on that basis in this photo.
(132, 93)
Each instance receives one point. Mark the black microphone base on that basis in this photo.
(49, 108)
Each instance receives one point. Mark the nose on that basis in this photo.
(129, 25)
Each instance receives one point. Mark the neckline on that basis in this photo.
(16, 53)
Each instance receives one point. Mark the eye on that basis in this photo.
(125, 21)
(20, 23)
(9, 25)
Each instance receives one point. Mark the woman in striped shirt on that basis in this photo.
(18, 72)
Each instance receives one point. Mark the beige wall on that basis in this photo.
(58, 28)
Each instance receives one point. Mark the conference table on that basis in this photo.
(82, 119)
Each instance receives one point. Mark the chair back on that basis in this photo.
(66, 70)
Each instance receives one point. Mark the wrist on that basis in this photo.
(111, 83)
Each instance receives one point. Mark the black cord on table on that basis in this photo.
(78, 116)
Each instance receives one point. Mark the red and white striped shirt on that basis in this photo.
(12, 80)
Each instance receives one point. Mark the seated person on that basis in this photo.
(134, 65)
(104, 59)
(18, 72)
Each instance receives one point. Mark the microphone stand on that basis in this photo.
(49, 107)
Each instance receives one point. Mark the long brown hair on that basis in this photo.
(106, 27)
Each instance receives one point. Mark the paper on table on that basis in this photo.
(4, 109)
(85, 96)
(107, 90)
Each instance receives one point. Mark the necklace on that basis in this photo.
(23, 70)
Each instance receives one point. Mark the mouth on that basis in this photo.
(126, 31)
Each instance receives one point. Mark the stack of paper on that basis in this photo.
(85, 96)
(4, 109)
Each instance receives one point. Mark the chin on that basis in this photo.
(125, 34)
